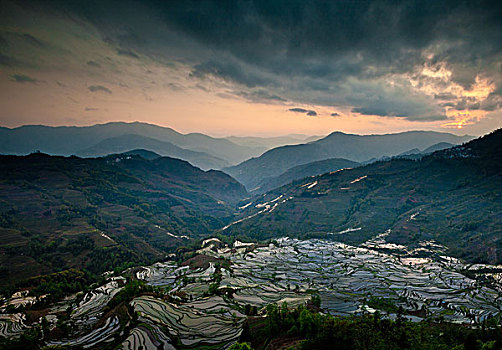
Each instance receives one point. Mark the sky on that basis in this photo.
(259, 68)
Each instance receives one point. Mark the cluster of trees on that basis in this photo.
(131, 290)
(59, 253)
(319, 331)
(215, 285)
(240, 346)
(250, 310)
(70, 280)
(27, 340)
(383, 304)
(59, 284)
(115, 258)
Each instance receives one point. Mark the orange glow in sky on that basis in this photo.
(66, 70)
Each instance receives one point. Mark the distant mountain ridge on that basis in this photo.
(272, 142)
(437, 147)
(358, 148)
(143, 153)
(124, 143)
(70, 140)
(414, 153)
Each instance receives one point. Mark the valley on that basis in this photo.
(138, 250)
(250, 175)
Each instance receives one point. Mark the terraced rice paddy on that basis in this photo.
(96, 336)
(148, 336)
(196, 323)
(12, 325)
(88, 311)
(347, 278)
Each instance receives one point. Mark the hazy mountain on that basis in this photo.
(437, 147)
(411, 151)
(124, 143)
(68, 140)
(58, 212)
(357, 148)
(416, 153)
(143, 153)
(302, 171)
(313, 138)
(451, 196)
(266, 143)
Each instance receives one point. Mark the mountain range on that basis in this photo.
(124, 143)
(302, 171)
(451, 197)
(357, 148)
(207, 152)
(99, 139)
(272, 142)
(99, 213)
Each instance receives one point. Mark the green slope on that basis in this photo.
(453, 196)
(305, 170)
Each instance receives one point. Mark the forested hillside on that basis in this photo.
(58, 213)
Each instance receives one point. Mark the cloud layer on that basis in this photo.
(308, 112)
(99, 88)
(422, 61)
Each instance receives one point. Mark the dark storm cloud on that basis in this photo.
(99, 88)
(298, 110)
(7, 60)
(310, 52)
(260, 96)
(273, 33)
(308, 112)
(21, 78)
(375, 110)
(230, 71)
(32, 40)
(93, 64)
(266, 32)
(127, 52)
